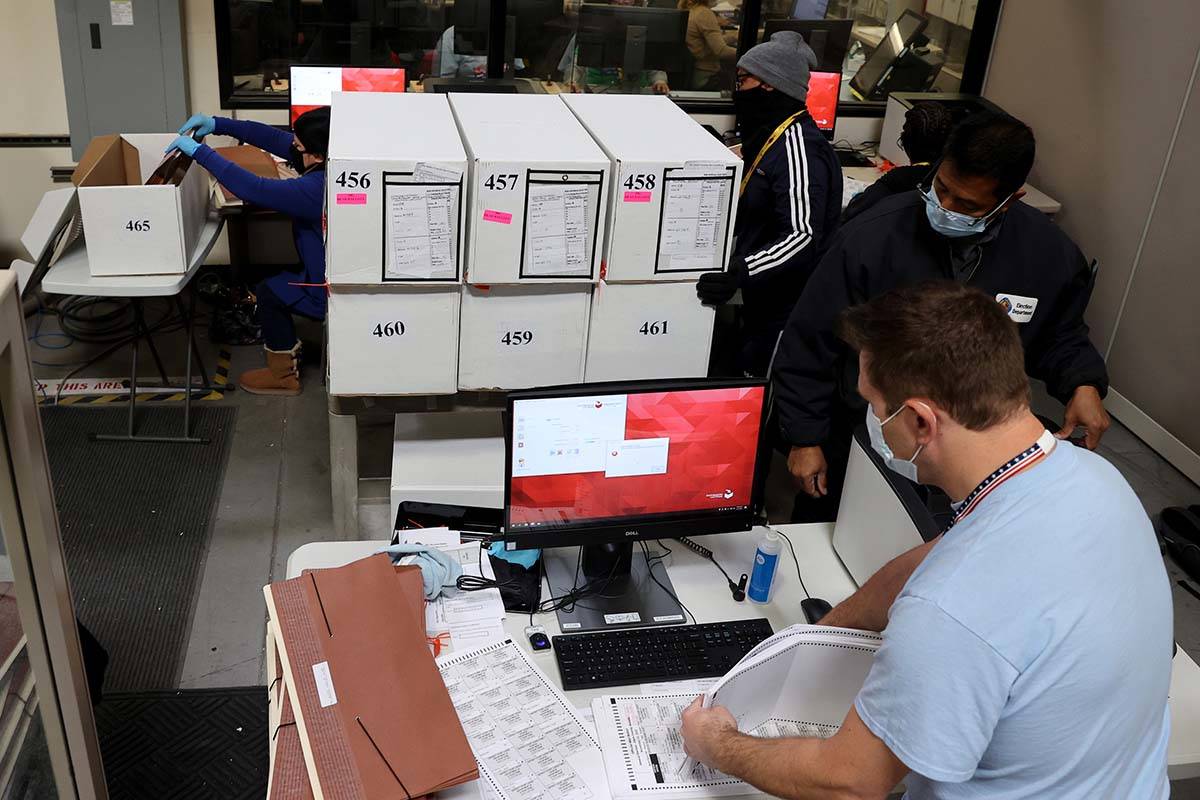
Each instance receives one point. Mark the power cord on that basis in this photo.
(652, 562)
(796, 561)
(738, 590)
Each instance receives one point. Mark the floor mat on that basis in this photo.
(197, 744)
(136, 519)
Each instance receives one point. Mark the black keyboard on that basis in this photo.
(645, 655)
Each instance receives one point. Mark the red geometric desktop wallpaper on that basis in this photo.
(713, 437)
(362, 79)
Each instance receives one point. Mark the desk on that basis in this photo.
(1034, 197)
(702, 589)
(72, 276)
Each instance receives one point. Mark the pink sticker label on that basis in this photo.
(637, 197)
(351, 199)
(503, 217)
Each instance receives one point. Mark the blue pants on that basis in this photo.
(278, 300)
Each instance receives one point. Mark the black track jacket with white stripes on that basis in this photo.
(784, 220)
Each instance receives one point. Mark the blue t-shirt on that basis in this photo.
(1030, 653)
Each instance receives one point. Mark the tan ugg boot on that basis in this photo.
(281, 376)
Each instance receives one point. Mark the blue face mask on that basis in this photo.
(952, 224)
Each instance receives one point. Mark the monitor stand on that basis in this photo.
(631, 600)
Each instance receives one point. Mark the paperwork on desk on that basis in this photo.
(529, 742)
(461, 620)
(373, 717)
(800, 682)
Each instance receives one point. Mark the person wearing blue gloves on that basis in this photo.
(286, 293)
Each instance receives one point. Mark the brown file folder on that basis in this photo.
(373, 716)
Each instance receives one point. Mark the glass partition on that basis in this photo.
(686, 48)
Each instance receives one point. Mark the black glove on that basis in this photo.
(716, 288)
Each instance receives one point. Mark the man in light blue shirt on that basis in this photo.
(1027, 651)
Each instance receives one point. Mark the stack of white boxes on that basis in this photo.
(670, 219)
(395, 205)
(537, 203)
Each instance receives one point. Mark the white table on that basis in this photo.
(701, 588)
(1034, 197)
(72, 276)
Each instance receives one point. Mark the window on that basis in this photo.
(686, 47)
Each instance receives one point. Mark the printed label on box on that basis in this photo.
(351, 199)
(638, 197)
(503, 217)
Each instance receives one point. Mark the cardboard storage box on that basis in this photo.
(454, 457)
(393, 340)
(648, 330)
(674, 193)
(133, 229)
(538, 190)
(394, 192)
(518, 337)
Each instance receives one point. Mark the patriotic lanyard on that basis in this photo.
(774, 137)
(1018, 464)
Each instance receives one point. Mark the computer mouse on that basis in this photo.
(814, 608)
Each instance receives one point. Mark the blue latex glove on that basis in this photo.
(438, 570)
(525, 558)
(202, 124)
(186, 144)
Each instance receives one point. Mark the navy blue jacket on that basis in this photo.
(891, 245)
(784, 221)
(302, 199)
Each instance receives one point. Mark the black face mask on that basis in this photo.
(296, 159)
(759, 111)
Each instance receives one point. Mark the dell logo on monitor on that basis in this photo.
(631, 533)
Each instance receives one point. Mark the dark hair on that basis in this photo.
(926, 126)
(945, 341)
(993, 145)
(312, 129)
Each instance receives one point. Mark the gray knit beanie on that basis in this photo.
(783, 61)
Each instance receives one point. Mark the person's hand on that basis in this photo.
(185, 144)
(716, 288)
(808, 467)
(704, 730)
(661, 87)
(1086, 410)
(201, 124)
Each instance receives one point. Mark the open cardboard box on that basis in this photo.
(130, 228)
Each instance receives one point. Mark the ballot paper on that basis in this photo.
(694, 219)
(558, 229)
(529, 742)
(851, 188)
(421, 231)
(800, 682)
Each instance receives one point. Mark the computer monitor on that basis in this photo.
(810, 9)
(632, 38)
(608, 464)
(313, 87)
(828, 38)
(822, 102)
(881, 514)
(531, 21)
(896, 40)
(470, 21)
